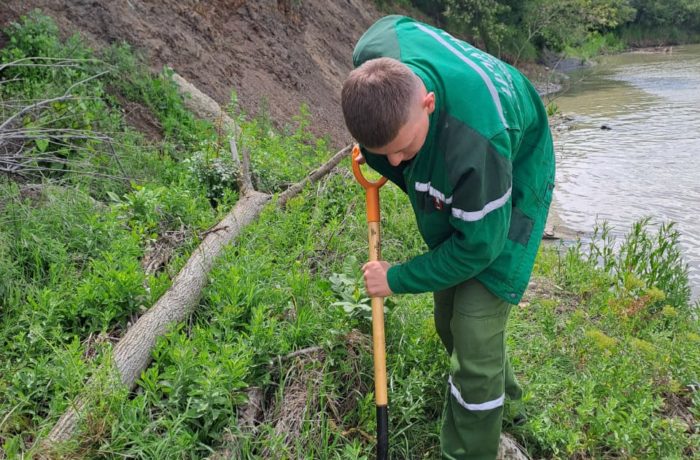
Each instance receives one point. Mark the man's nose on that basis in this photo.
(395, 159)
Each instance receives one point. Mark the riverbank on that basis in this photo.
(556, 229)
(545, 80)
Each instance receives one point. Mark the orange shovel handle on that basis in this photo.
(378, 341)
(371, 188)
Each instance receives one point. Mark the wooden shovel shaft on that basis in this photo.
(380, 383)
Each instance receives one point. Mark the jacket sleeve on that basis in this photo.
(480, 220)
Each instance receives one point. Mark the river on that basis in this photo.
(648, 162)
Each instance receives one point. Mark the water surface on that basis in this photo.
(648, 162)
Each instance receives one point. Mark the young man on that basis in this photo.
(466, 137)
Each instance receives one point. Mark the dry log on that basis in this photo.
(133, 352)
(203, 106)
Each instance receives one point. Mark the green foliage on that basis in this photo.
(596, 44)
(678, 13)
(653, 261)
(552, 109)
(214, 170)
(479, 19)
(350, 291)
(517, 30)
(197, 380)
(152, 209)
(272, 165)
(619, 361)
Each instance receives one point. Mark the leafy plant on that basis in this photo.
(213, 169)
(654, 260)
(350, 290)
(552, 109)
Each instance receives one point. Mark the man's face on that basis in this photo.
(412, 134)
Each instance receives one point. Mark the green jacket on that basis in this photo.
(482, 183)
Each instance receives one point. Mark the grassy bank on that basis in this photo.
(98, 217)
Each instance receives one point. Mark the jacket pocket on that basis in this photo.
(520, 227)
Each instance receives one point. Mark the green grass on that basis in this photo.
(606, 344)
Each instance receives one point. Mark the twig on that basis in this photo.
(34, 106)
(57, 62)
(315, 175)
(65, 96)
(366, 436)
(85, 81)
(116, 157)
(85, 173)
(303, 351)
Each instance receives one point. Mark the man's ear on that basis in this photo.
(429, 102)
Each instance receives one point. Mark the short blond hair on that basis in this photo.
(376, 100)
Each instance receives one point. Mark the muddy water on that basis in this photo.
(648, 162)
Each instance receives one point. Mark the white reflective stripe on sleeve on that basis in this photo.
(488, 405)
(477, 69)
(472, 216)
(423, 187)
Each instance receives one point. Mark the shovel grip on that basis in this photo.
(371, 188)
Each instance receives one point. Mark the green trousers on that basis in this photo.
(471, 323)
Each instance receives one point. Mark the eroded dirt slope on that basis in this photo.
(276, 54)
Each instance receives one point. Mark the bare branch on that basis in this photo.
(74, 171)
(302, 352)
(313, 177)
(81, 82)
(54, 62)
(116, 159)
(35, 106)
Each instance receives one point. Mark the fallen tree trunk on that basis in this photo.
(132, 354)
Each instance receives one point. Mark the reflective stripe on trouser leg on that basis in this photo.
(474, 408)
(444, 301)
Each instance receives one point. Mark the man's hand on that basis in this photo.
(375, 278)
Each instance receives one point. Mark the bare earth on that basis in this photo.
(275, 55)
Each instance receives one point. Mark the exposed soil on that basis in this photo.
(275, 54)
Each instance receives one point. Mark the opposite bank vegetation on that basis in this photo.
(525, 30)
(97, 219)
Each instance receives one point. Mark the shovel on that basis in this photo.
(378, 345)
